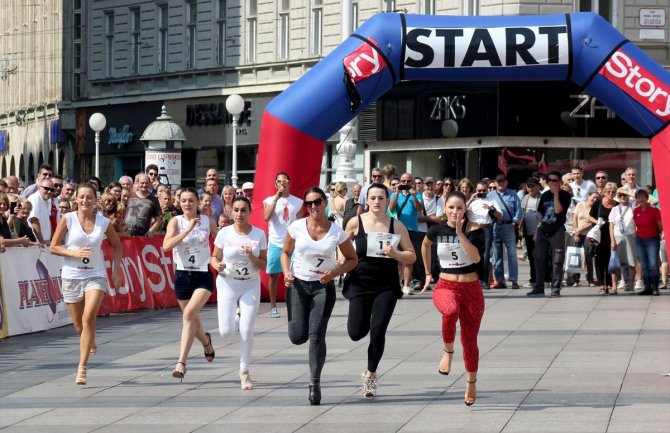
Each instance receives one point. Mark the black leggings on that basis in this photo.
(372, 313)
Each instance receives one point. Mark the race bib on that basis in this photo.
(193, 258)
(239, 270)
(320, 263)
(452, 255)
(377, 242)
(91, 262)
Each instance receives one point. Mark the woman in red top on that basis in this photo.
(648, 234)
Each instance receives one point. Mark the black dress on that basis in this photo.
(604, 248)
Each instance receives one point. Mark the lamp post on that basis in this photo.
(235, 105)
(97, 123)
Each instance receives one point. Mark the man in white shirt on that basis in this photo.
(433, 209)
(40, 217)
(280, 210)
(581, 188)
(484, 212)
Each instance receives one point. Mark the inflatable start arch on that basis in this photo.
(389, 48)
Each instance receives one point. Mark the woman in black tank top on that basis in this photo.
(373, 287)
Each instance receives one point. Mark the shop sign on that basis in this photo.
(652, 17)
(587, 106)
(447, 107)
(215, 114)
(124, 136)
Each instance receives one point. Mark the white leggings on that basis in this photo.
(228, 294)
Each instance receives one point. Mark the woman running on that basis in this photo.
(188, 235)
(84, 278)
(458, 294)
(373, 287)
(240, 251)
(310, 294)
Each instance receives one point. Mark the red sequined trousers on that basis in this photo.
(464, 302)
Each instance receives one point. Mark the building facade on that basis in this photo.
(127, 58)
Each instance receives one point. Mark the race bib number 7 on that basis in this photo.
(320, 263)
(452, 255)
(377, 242)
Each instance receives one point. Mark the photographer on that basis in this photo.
(484, 212)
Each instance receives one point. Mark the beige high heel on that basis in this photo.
(245, 380)
(470, 398)
(81, 375)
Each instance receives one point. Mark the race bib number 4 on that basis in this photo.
(320, 263)
(193, 258)
(377, 242)
(452, 255)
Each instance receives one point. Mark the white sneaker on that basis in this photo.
(639, 284)
(274, 313)
(370, 386)
(621, 285)
(408, 290)
(529, 285)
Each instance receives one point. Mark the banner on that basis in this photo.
(30, 284)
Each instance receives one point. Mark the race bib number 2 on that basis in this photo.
(320, 263)
(377, 242)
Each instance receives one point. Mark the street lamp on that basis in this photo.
(97, 123)
(235, 105)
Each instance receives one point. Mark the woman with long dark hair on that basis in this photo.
(372, 287)
(458, 293)
(309, 266)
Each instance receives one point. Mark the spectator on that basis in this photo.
(206, 204)
(622, 240)
(407, 203)
(465, 186)
(12, 184)
(112, 210)
(439, 186)
(64, 207)
(581, 224)
(433, 209)
(152, 171)
(58, 182)
(447, 187)
(581, 189)
(126, 182)
(167, 208)
(68, 191)
(19, 224)
(42, 218)
(394, 185)
(212, 187)
(484, 213)
(550, 235)
(600, 212)
(45, 172)
(337, 203)
(6, 235)
(376, 176)
(529, 222)
(114, 188)
(248, 189)
(601, 181)
(356, 191)
(96, 182)
(504, 233)
(239, 192)
(631, 186)
(648, 233)
(389, 171)
(3, 187)
(544, 185)
(143, 210)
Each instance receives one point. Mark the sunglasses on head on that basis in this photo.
(316, 202)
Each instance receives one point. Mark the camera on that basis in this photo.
(481, 195)
(404, 187)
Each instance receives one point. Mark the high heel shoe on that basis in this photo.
(81, 375)
(245, 380)
(94, 349)
(209, 356)
(315, 394)
(451, 356)
(470, 398)
(179, 374)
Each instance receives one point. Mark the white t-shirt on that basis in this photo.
(628, 224)
(311, 259)
(192, 253)
(76, 239)
(238, 266)
(580, 193)
(41, 211)
(284, 214)
(479, 214)
(433, 207)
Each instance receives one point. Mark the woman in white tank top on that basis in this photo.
(187, 236)
(84, 277)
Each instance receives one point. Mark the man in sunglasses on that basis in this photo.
(550, 235)
(45, 172)
(41, 215)
(152, 171)
(601, 181)
(376, 176)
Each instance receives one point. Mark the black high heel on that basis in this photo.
(446, 373)
(315, 394)
(209, 356)
(179, 374)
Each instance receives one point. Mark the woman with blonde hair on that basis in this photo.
(112, 210)
(466, 187)
(227, 196)
(337, 203)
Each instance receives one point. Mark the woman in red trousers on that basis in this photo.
(458, 293)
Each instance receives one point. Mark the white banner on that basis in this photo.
(168, 163)
(30, 291)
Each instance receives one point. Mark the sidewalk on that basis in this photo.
(580, 363)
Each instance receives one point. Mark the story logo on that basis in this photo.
(364, 62)
(638, 83)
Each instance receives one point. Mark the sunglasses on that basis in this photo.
(58, 185)
(448, 184)
(553, 180)
(47, 189)
(316, 202)
(376, 176)
(492, 187)
(153, 174)
(479, 191)
(601, 177)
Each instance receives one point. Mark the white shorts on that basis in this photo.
(74, 289)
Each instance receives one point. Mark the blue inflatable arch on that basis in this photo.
(390, 48)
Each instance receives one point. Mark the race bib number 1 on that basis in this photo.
(452, 255)
(320, 263)
(193, 258)
(377, 242)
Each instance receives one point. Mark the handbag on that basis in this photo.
(614, 265)
(594, 235)
(574, 259)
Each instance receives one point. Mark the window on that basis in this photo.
(135, 41)
(221, 33)
(471, 7)
(283, 30)
(162, 37)
(428, 7)
(192, 24)
(109, 45)
(76, 51)
(388, 6)
(252, 29)
(317, 25)
(600, 7)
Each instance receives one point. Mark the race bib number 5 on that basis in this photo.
(320, 263)
(452, 255)
(377, 242)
